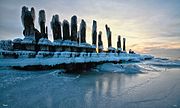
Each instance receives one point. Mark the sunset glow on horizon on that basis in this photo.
(147, 24)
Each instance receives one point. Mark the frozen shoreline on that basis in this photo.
(70, 57)
(127, 85)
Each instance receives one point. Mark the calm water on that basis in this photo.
(147, 84)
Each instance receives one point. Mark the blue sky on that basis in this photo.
(147, 24)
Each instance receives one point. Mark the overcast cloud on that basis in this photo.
(141, 21)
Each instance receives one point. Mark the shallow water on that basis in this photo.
(147, 84)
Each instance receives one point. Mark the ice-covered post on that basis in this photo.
(74, 28)
(100, 43)
(108, 32)
(66, 35)
(94, 33)
(42, 21)
(83, 31)
(32, 35)
(28, 18)
(56, 27)
(119, 42)
(124, 44)
(78, 37)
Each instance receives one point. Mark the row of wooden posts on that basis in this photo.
(65, 31)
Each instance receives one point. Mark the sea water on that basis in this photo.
(147, 84)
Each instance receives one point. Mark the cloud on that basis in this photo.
(144, 23)
(165, 52)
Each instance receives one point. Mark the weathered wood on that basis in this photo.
(74, 28)
(66, 32)
(94, 33)
(83, 31)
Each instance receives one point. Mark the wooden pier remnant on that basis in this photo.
(74, 28)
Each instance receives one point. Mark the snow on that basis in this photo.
(44, 41)
(86, 45)
(6, 45)
(65, 43)
(2, 52)
(93, 46)
(50, 58)
(24, 54)
(42, 54)
(119, 49)
(72, 43)
(111, 48)
(69, 43)
(123, 68)
(57, 42)
(29, 40)
(17, 40)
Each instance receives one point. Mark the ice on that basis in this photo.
(120, 68)
(24, 54)
(111, 83)
(44, 41)
(125, 85)
(5, 105)
(29, 40)
(119, 49)
(17, 40)
(51, 58)
(67, 43)
(6, 45)
(86, 45)
(57, 42)
(165, 63)
(111, 48)
(93, 46)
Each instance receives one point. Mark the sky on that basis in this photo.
(147, 25)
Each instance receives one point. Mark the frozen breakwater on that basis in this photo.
(69, 48)
(61, 59)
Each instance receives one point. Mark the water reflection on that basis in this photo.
(90, 89)
(104, 87)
